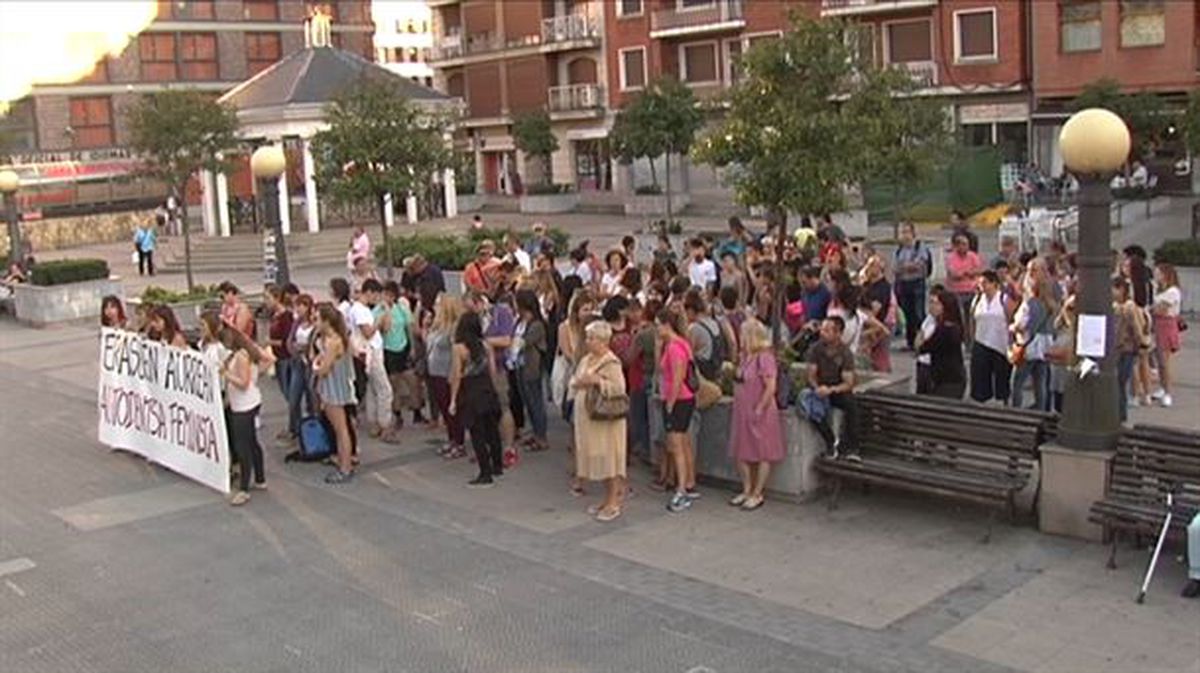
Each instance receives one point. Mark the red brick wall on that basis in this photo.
(483, 89)
(1170, 67)
(479, 16)
(1010, 66)
(527, 82)
(522, 19)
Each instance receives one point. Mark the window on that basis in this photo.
(629, 7)
(695, 4)
(157, 53)
(633, 68)
(91, 122)
(908, 41)
(1079, 24)
(698, 62)
(98, 75)
(260, 10)
(185, 9)
(1143, 23)
(262, 50)
(19, 126)
(198, 56)
(975, 35)
(733, 59)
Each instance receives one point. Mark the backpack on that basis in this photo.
(711, 368)
(316, 439)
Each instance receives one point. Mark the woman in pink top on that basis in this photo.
(679, 403)
(360, 247)
(963, 267)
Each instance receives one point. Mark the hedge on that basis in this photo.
(455, 252)
(161, 295)
(63, 271)
(1179, 251)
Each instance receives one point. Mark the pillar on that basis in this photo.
(410, 208)
(451, 192)
(311, 206)
(389, 211)
(285, 210)
(207, 203)
(223, 204)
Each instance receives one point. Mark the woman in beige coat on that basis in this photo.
(600, 444)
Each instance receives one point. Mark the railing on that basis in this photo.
(572, 97)
(455, 45)
(924, 73)
(843, 7)
(697, 18)
(569, 28)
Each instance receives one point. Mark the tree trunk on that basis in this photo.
(667, 166)
(181, 198)
(653, 174)
(780, 215)
(895, 212)
(387, 243)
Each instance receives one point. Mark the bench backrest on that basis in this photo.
(951, 433)
(1152, 461)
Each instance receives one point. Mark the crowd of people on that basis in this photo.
(634, 346)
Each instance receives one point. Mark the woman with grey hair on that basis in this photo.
(599, 425)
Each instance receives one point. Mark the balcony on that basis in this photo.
(571, 29)
(860, 7)
(559, 33)
(719, 16)
(457, 46)
(575, 98)
(924, 73)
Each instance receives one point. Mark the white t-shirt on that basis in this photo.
(359, 315)
(1172, 298)
(523, 259)
(991, 323)
(584, 271)
(702, 273)
(928, 325)
(610, 284)
(248, 398)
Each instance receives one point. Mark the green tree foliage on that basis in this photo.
(1189, 123)
(1144, 113)
(533, 136)
(662, 120)
(178, 133)
(379, 143)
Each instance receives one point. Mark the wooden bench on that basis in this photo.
(985, 455)
(1150, 462)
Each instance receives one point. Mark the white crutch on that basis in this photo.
(1162, 536)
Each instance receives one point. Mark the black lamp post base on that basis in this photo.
(1091, 418)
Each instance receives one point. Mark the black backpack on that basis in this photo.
(711, 368)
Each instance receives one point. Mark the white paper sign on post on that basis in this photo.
(1092, 336)
(163, 403)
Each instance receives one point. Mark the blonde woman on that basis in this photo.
(756, 436)
(600, 447)
(440, 341)
(580, 307)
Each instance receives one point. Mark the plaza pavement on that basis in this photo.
(110, 564)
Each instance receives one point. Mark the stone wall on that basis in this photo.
(68, 232)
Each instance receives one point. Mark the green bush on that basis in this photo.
(63, 271)
(161, 295)
(648, 190)
(561, 238)
(1180, 252)
(539, 190)
(454, 252)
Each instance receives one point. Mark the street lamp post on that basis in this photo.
(267, 164)
(9, 183)
(1095, 144)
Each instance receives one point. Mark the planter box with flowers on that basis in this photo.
(64, 290)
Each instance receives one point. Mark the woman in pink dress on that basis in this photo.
(360, 247)
(756, 432)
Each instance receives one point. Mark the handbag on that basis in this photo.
(601, 407)
(1016, 352)
(707, 392)
(560, 376)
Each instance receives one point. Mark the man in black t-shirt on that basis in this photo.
(831, 378)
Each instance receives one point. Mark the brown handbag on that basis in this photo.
(601, 407)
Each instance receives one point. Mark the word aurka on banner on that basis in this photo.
(165, 404)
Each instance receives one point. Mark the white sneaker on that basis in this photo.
(1134, 403)
(1166, 400)
(1158, 394)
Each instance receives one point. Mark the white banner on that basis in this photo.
(165, 404)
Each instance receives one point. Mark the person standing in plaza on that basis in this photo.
(756, 435)
(474, 398)
(1032, 329)
(278, 330)
(164, 327)
(424, 279)
(360, 247)
(990, 369)
(145, 240)
(945, 347)
(395, 322)
(367, 339)
(440, 338)
(913, 265)
(334, 372)
(234, 311)
(239, 370)
(526, 355)
(600, 443)
(1129, 326)
(112, 312)
(679, 404)
(498, 324)
(299, 342)
(480, 273)
(1168, 299)
(963, 267)
(702, 272)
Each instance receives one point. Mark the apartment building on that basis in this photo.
(404, 39)
(1145, 45)
(64, 134)
(505, 59)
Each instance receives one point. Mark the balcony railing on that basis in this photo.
(720, 15)
(570, 28)
(924, 73)
(575, 97)
(457, 45)
(850, 7)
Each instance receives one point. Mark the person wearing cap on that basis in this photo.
(539, 241)
(423, 279)
(480, 273)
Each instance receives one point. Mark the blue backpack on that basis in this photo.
(316, 438)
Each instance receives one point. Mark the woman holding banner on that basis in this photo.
(240, 372)
(335, 386)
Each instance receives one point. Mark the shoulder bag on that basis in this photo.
(601, 407)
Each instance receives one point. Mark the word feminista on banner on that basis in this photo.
(165, 404)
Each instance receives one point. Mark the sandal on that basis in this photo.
(240, 498)
(577, 490)
(338, 477)
(607, 515)
(753, 502)
(593, 510)
(738, 500)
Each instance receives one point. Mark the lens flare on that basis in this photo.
(60, 41)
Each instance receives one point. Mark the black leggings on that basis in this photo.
(244, 437)
(485, 439)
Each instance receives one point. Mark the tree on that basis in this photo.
(661, 121)
(1144, 113)
(533, 136)
(910, 137)
(178, 133)
(379, 143)
(1189, 122)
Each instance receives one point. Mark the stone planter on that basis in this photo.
(647, 205)
(549, 203)
(1189, 285)
(39, 305)
(470, 203)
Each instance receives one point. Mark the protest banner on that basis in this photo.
(163, 403)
